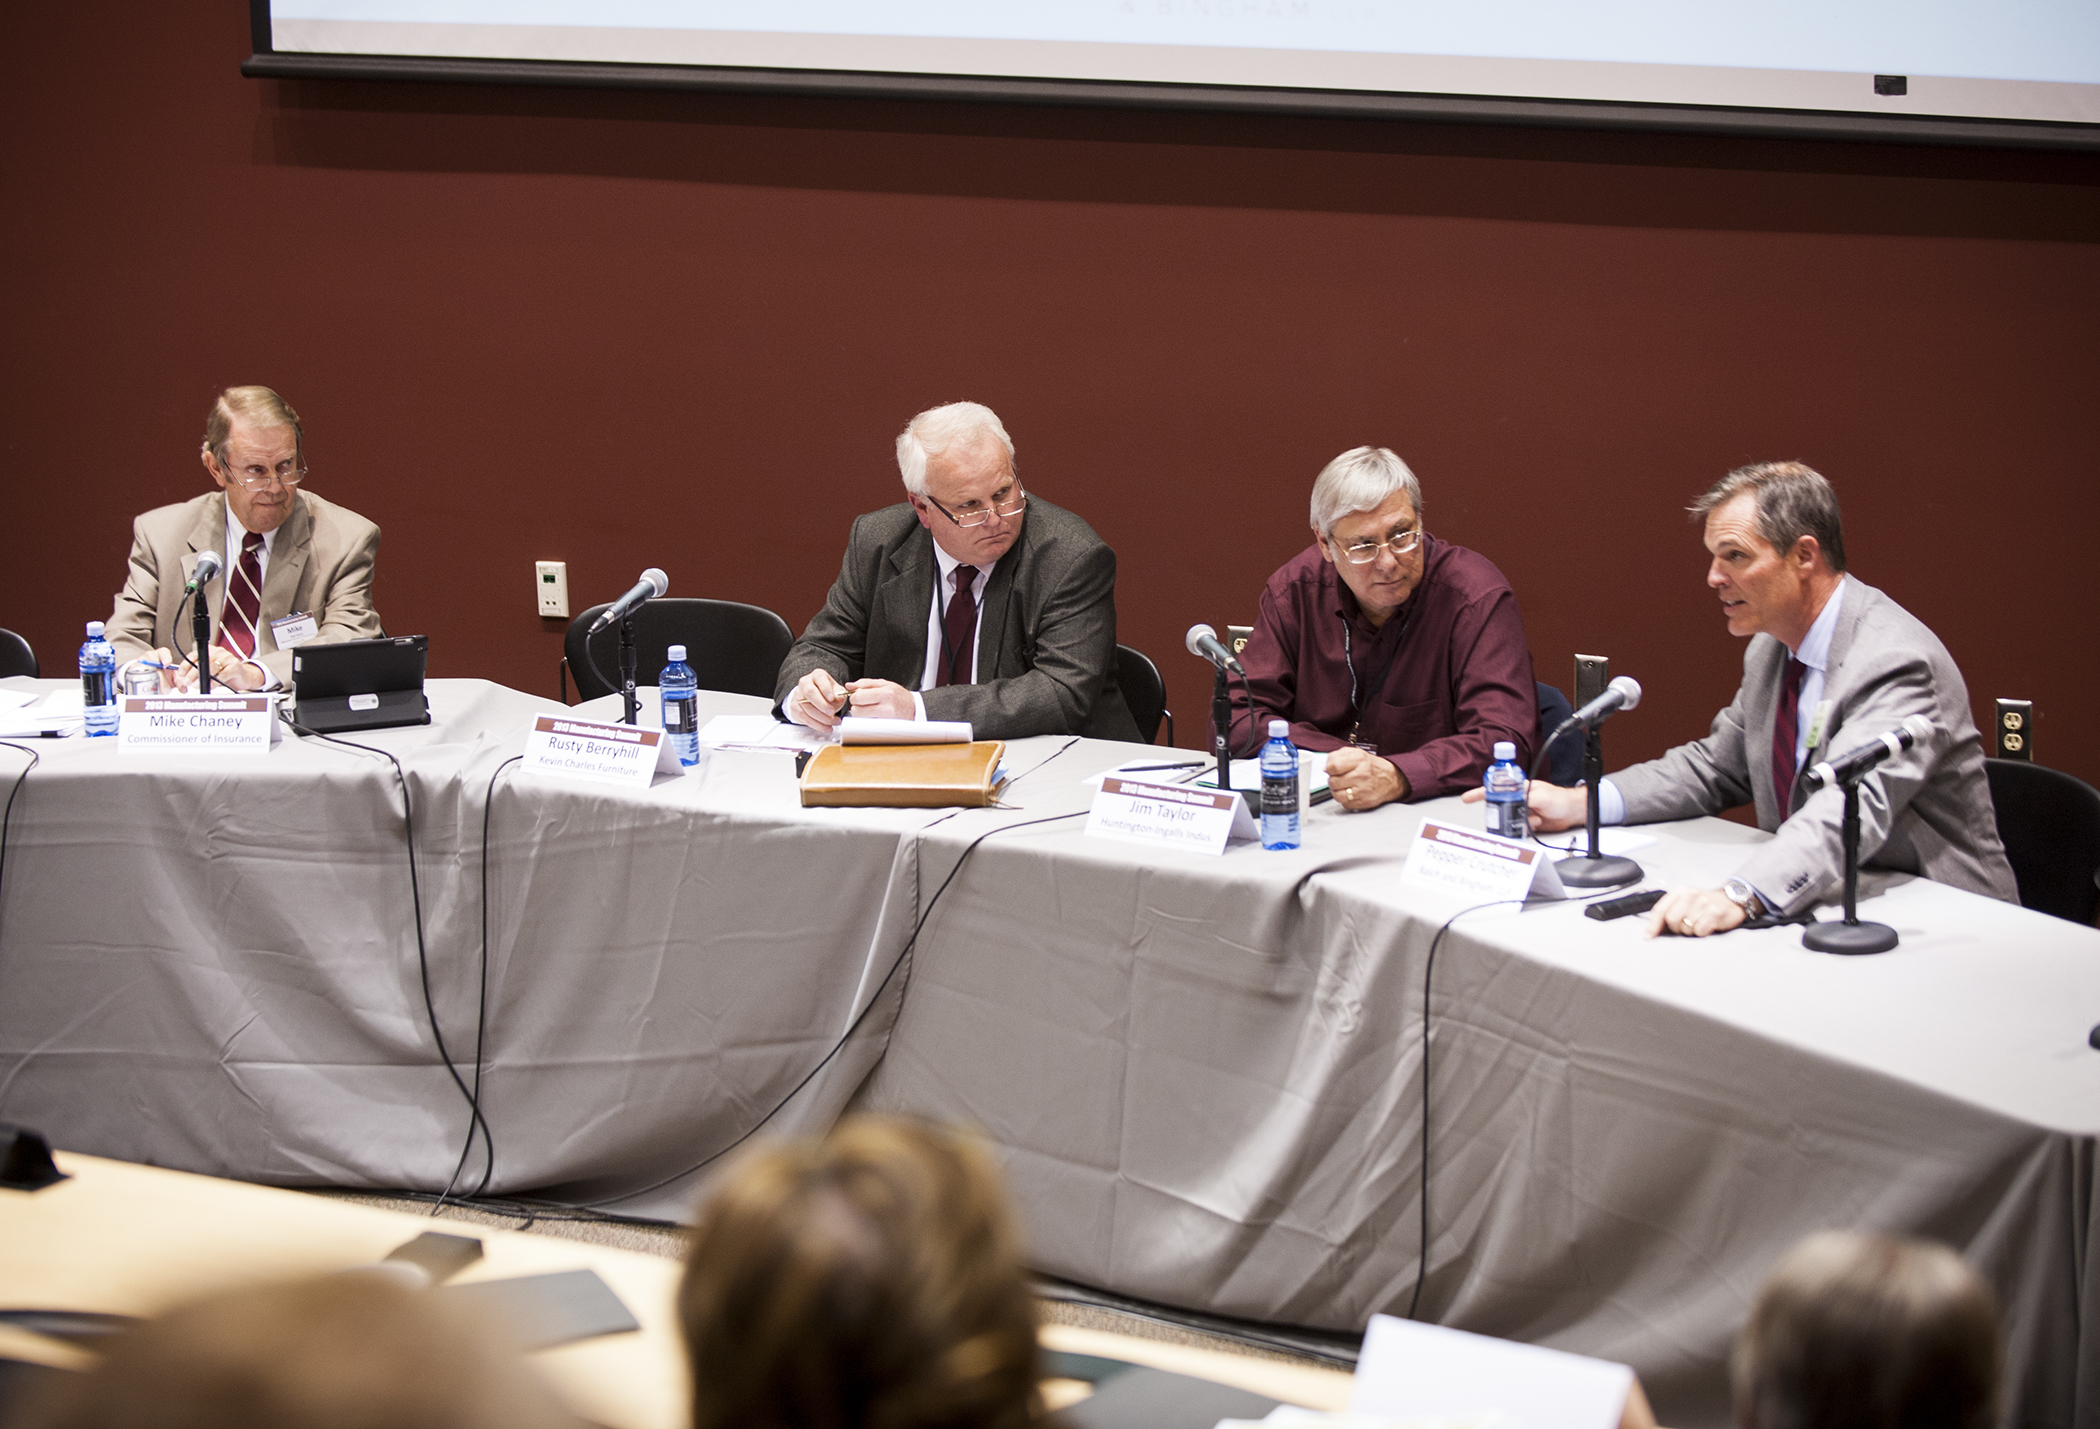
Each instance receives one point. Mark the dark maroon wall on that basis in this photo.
(633, 329)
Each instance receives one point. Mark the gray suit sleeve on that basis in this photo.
(837, 639)
(130, 624)
(345, 606)
(1703, 777)
(1074, 657)
(1805, 859)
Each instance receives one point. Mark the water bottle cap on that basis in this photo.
(94, 630)
(1279, 729)
(1505, 751)
(677, 652)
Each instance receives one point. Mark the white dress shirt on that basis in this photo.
(937, 610)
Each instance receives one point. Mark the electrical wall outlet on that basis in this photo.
(2015, 730)
(1237, 636)
(552, 583)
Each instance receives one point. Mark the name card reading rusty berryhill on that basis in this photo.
(1169, 816)
(211, 724)
(599, 753)
(1479, 866)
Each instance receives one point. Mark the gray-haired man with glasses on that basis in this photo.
(970, 600)
(1401, 653)
(296, 568)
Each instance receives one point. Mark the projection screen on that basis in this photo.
(2021, 72)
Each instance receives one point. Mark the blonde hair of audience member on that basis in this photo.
(936, 429)
(868, 1280)
(256, 407)
(1869, 1332)
(356, 1351)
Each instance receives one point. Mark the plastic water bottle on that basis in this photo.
(681, 690)
(1506, 813)
(98, 681)
(1279, 788)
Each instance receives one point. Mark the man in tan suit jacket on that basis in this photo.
(315, 557)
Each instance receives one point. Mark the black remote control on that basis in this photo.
(1624, 904)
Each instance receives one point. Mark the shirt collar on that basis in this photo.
(236, 534)
(948, 564)
(1815, 646)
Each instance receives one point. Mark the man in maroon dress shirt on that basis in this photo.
(1401, 653)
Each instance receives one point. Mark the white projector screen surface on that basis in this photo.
(2031, 60)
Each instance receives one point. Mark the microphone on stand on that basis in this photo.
(652, 584)
(1203, 642)
(207, 566)
(1914, 730)
(1623, 693)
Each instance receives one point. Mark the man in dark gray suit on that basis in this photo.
(1833, 664)
(971, 600)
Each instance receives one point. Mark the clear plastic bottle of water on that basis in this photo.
(1279, 788)
(98, 681)
(681, 690)
(1506, 811)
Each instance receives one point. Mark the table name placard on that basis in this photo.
(212, 724)
(1169, 816)
(1471, 863)
(599, 753)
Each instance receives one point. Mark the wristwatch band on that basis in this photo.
(1744, 897)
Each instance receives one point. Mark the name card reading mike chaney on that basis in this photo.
(1480, 866)
(216, 724)
(601, 753)
(1169, 816)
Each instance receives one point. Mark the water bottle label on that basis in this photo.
(97, 687)
(681, 714)
(1279, 795)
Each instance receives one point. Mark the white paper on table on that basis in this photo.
(1613, 841)
(760, 731)
(65, 700)
(1160, 771)
(857, 729)
(1246, 773)
(1412, 1369)
(15, 699)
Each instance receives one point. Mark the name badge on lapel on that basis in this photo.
(293, 630)
(1819, 722)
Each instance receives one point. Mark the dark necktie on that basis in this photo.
(243, 607)
(1786, 733)
(959, 631)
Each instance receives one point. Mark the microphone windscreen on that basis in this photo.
(657, 580)
(1920, 728)
(1196, 636)
(1630, 688)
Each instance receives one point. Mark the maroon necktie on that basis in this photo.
(959, 631)
(243, 607)
(1786, 733)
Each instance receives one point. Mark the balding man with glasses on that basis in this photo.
(970, 600)
(297, 569)
(1402, 654)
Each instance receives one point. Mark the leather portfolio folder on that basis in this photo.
(902, 776)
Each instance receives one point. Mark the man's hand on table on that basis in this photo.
(227, 669)
(1362, 780)
(1694, 913)
(881, 699)
(817, 701)
(1552, 807)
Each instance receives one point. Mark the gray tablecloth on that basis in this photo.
(1204, 1074)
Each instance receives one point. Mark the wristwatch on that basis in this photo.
(1743, 896)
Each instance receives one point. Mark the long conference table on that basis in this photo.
(1204, 1075)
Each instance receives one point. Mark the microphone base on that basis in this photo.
(1849, 940)
(1604, 871)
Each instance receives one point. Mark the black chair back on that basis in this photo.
(1144, 691)
(2049, 822)
(16, 658)
(1561, 762)
(731, 646)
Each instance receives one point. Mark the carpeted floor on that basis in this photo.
(1062, 1304)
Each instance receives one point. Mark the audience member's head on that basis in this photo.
(868, 1280)
(345, 1352)
(1869, 1332)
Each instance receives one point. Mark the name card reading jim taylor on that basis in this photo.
(217, 724)
(1483, 867)
(1169, 815)
(600, 753)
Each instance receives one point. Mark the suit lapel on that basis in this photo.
(289, 549)
(994, 651)
(1771, 687)
(208, 534)
(902, 602)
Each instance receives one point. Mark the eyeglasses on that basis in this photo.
(1011, 505)
(1399, 543)
(255, 478)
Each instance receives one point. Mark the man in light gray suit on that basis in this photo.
(1833, 664)
(297, 569)
(971, 600)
